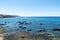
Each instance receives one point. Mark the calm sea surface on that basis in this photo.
(48, 23)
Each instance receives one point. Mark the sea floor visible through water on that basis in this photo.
(29, 36)
(30, 28)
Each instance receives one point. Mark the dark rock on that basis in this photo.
(22, 37)
(20, 22)
(24, 28)
(41, 23)
(56, 29)
(40, 30)
(29, 30)
(20, 26)
(2, 24)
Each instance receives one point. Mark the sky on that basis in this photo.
(30, 7)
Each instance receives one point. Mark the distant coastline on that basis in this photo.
(7, 16)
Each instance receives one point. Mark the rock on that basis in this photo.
(40, 30)
(56, 29)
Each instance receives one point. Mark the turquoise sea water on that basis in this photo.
(48, 23)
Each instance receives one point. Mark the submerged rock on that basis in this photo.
(28, 36)
(40, 30)
(56, 29)
(2, 24)
(29, 30)
(20, 26)
(41, 23)
(23, 27)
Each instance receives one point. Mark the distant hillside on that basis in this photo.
(1, 16)
(6, 16)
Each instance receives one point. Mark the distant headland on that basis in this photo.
(7, 16)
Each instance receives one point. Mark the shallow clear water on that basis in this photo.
(48, 23)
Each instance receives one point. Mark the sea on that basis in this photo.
(37, 23)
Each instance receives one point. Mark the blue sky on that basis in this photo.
(30, 7)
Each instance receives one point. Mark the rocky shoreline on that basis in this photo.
(29, 36)
(26, 35)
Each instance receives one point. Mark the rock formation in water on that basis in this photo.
(56, 29)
